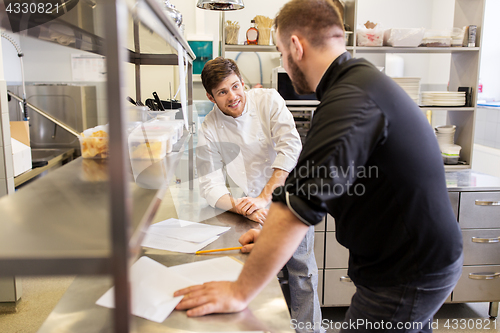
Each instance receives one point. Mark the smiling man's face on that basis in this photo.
(229, 96)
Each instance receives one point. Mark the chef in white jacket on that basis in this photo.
(249, 139)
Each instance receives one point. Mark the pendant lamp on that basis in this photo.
(220, 4)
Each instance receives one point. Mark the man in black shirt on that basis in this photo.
(372, 161)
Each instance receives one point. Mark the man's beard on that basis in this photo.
(298, 78)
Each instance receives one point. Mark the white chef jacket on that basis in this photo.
(247, 148)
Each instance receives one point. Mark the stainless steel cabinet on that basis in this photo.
(479, 209)
(478, 284)
(479, 219)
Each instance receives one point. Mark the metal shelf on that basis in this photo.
(447, 108)
(69, 222)
(250, 48)
(85, 34)
(456, 167)
(390, 49)
(59, 224)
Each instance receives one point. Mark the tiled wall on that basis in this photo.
(486, 160)
(487, 131)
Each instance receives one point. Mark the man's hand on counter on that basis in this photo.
(248, 239)
(261, 266)
(247, 205)
(258, 216)
(211, 297)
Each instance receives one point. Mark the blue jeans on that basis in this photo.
(404, 308)
(303, 283)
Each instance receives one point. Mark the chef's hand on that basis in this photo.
(248, 205)
(258, 216)
(248, 239)
(211, 297)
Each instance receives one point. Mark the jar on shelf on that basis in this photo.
(252, 34)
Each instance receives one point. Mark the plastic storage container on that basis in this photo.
(403, 37)
(94, 142)
(437, 38)
(148, 142)
(370, 37)
(450, 153)
(457, 37)
(143, 114)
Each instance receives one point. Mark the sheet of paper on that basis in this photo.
(185, 230)
(217, 269)
(171, 244)
(152, 296)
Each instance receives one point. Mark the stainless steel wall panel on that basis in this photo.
(319, 248)
(454, 199)
(75, 106)
(330, 223)
(337, 256)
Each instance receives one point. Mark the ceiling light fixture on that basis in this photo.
(220, 4)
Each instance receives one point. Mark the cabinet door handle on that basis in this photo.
(484, 276)
(345, 279)
(487, 203)
(485, 240)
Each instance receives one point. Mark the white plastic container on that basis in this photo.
(370, 37)
(403, 37)
(94, 142)
(450, 153)
(178, 125)
(437, 38)
(149, 143)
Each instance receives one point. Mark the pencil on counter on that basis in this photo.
(218, 250)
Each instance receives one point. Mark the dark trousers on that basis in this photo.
(404, 308)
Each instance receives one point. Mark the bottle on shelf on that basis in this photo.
(480, 95)
(252, 34)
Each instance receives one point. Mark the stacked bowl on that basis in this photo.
(446, 139)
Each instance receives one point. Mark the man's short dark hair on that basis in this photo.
(216, 71)
(316, 20)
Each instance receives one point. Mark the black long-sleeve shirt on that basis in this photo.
(372, 161)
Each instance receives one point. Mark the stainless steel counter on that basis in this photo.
(77, 312)
(60, 223)
(468, 180)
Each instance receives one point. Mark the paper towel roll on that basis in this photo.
(394, 65)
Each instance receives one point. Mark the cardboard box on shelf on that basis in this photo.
(20, 131)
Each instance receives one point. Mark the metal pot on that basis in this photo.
(170, 10)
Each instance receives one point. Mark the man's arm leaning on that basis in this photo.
(267, 257)
(228, 203)
(249, 205)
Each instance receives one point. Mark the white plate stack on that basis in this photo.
(445, 134)
(443, 98)
(411, 85)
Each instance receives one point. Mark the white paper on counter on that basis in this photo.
(171, 244)
(217, 269)
(153, 286)
(185, 230)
